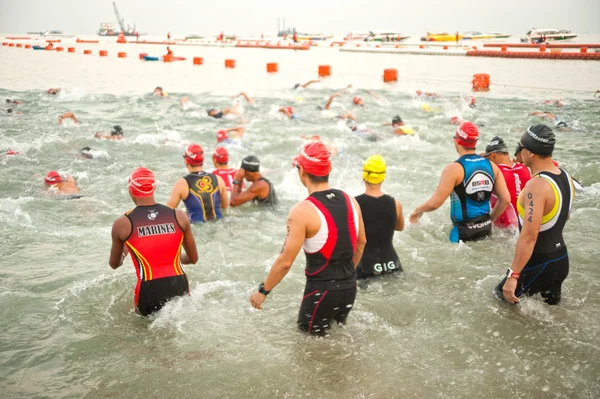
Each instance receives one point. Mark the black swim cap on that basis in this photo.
(9, 110)
(397, 119)
(117, 131)
(539, 139)
(86, 152)
(496, 145)
(518, 149)
(296, 85)
(251, 164)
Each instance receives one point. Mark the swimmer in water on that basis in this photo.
(115, 134)
(472, 102)
(67, 115)
(53, 91)
(596, 93)
(470, 207)
(224, 137)
(158, 92)
(382, 215)
(559, 124)
(64, 185)
(11, 111)
(215, 113)
(249, 99)
(427, 94)
(558, 103)
(362, 131)
(360, 102)
(221, 162)
(288, 111)
(400, 127)
(85, 153)
(345, 115)
(299, 86)
(153, 234)
(317, 139)
(13, 102)
(261, 191)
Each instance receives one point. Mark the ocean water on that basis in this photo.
(437, 331)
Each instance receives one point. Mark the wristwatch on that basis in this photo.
(236, 182)
(261, 289)
(511, 274)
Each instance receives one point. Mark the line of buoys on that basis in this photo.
(17, 38)
(536, 54)
(87, 52)
(198, 61)
(86, 41)
(103, 53)
(230, 64)
(390, 75)
(71, 49)
(272, 67)
(324, 70)
(481, 82)
(122, 55)
(416, 51)
(548, 45)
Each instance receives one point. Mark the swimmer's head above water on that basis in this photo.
(141, 183)
(466, 135)
(374, 169)
(53, 178)
(117, 131)
(397, 120)
(221, 156)
(357, 100)
(539, 140)
(86, 152)
(158, 91)
(194, 155)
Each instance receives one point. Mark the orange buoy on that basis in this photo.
(390, 75)
(121, 38)
(28, 46)
(324, 70)
(198, 60)
(481, 82)
(71, 49)
(11, 45)
(122, 55)
(272, 67)
(542, 49)
(87, 52)
(59, 49)
(229, 63)
(168, 58)
(4, 44)
(421, 46)
(377, 46)
(103, 53)
(19, 45)
(357, 44)
(583, 49)
(142, 55)
(445, 47)
(397, 46)
(503, 48)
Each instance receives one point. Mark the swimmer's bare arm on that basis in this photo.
(328, 105)
(285, 112)
(67, 115)
(239, 197)
(533, 200)
(177, 194)
(305, 85)
(373, 94)
(247, 97)
(223, 192)
(501, 191)
(400, 220)
(238, 131)
(361, 241)
(120, 231)
(191, 252)
(451, 176)
(296, 234)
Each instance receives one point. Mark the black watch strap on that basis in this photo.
(236, 182)
(261, 289)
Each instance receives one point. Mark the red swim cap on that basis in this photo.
(455, 120)
(53, 177)
(467, 135)
(194, 155)
(315, 158)
(357, 100)
(419, 92)
(142, 183)
(290, 110)
(222, 136)
(221, 155)
(12, 152)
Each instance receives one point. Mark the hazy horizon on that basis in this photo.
(335, 16)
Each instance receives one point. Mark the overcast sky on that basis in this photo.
(246, 17)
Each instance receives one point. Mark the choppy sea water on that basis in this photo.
(437, 331)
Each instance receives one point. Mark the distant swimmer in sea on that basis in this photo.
(204, 194)
(360, 102)
(558, 103)
(330, 146)
(248, 99)
(85, 153)
(596, 93)
(420, 93)
(153, 234)
(65, 186)
(470, 182)
(288, 112)
(361, 130)
(541, 260)
(67, 115)
(223, 136)
(115, 134)
(328, 225)
(472, 102)
(299, 86)
(261, 191)
(159, 92)
(13, 112)
(344, 115)
(215, 113)
(559, 124)
(13, 102)
(221, 162)
(400, 128)
(54, 91)
(382, 216)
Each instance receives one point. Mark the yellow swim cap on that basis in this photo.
(299, 99)
(374, 169)
(426, 107)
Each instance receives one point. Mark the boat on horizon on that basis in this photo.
(549, 35)
(441, 37)
(475, 35)
(52, 33)
(109, 29)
